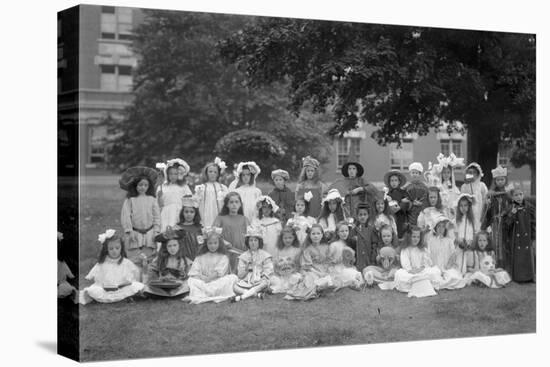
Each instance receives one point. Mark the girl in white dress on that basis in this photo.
(300, 220)
(286, 263)
(442, 175)
(115, 277)
(209, 276)
(255, 267)
(477, 189)
(342, 258)
(441, 248)
(427, 217)
(211, 192)
(416, 266)
(465, 228)
(245, 185)
(270, 226)
(331, 213)
(170, 194)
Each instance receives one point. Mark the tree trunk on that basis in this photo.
(483, 149)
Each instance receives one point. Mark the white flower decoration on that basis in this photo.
(220, 164)
(308, 196)
(104, 236)
(160, 165)
(200, 239)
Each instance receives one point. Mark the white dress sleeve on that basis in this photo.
(93, 274)
(222, 266)
(126, 216)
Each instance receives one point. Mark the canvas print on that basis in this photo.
(233, 183)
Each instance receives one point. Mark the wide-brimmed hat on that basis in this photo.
(269, 200)
(132, 174)
(252, 166)
(333, 194)
(394, 172)
(254, 231)
(360, 169)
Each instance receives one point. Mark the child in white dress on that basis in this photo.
(115, 277)
(172, 191)
(477, 189)
(245, 185)
(300, 220)
(286, 263)
(486, 272)
(270, 225)
(209, 277)
(140, 216)
(211, 192)
(342, 258)
(427, 216)
(416, 266)
(331, 213)
(254, 269)
(441, 248)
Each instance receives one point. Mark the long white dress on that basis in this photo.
(449, 196)
(111, 274)
(171, 200)
(271, 229)
(411, 258)
(249, 195)
(441, 249)
(210, 195)
(301, 224)
(479, 192)
(209, 279)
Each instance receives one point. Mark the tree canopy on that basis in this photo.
(186, 98)
(401, 79)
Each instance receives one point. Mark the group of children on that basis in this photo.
(222, 243)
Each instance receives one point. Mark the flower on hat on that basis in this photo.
(269, 200)
(208, 231)
(308, 196)
(105, 236)
(160, 166)
(333, 194)
(252, 166)
(221, 164)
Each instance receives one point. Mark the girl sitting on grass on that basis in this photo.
(114, 276)
(268, 223)
(170, 266)
(286, 262)
(301, 220)
(209, 277)
(254, 269)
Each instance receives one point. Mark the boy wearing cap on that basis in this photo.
(281, 195)
(417, 191)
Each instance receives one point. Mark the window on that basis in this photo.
(97, 143)
(116, 78)
(116, 23)
(401, 157)
(504, 153)
(348, 149)
(449, 146)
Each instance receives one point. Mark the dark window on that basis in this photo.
(124, 70)
(126, 37)
(107, 69)
(108, 9)
(106, 35)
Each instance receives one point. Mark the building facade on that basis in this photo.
(96, 40)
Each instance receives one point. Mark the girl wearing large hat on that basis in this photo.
(310, 180)
(354, 187)
(140, 215)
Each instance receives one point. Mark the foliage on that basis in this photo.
(186, 99)
(401, 79)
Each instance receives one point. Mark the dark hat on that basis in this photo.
(133, 173)
(394, 172)
(360, 169)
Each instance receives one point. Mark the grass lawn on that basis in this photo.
(155, 328)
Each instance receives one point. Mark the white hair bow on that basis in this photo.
(104, 236)
(220, 164)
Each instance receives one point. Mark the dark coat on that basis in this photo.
(401, 217)
(365, 253)
(519, 246)
(285, 199)
(417, 190)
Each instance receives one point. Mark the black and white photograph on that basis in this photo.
(238, 183)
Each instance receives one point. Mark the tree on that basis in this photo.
(401, 79)
(186, 98)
